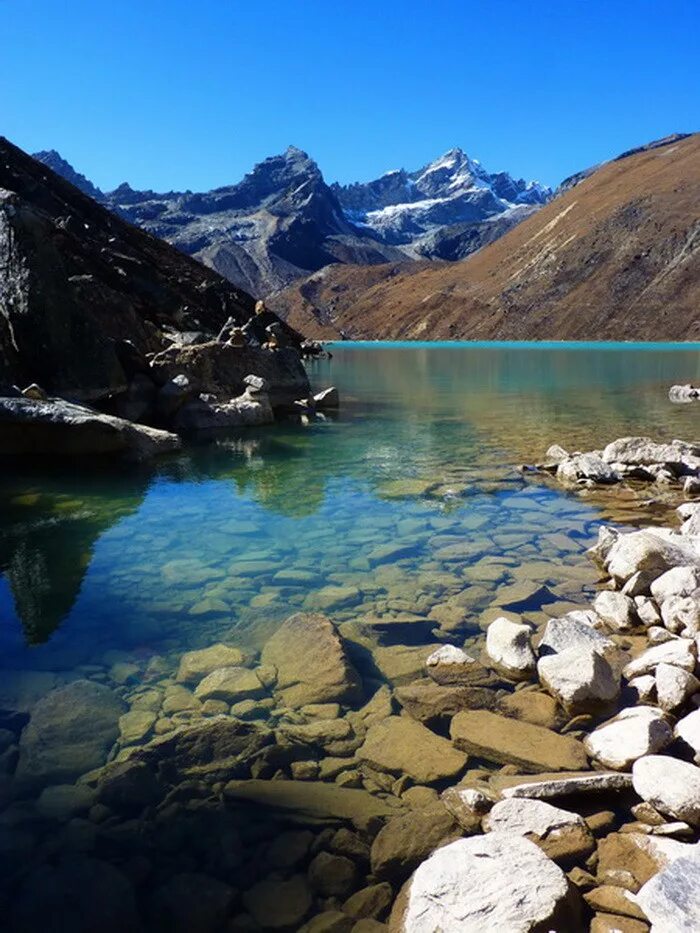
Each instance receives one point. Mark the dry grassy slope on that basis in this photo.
(616, 257)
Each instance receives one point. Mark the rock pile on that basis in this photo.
(542, 777)
(627, 459)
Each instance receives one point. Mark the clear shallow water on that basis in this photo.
(226, 540)
(404, 518)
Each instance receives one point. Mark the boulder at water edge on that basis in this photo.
(486, 884)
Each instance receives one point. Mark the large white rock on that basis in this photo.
(670, 785)
(644, 451)
(650, 552)
(637, 731)
(570, 631)
(688, 730)
(607, 536)
(671, 899)
(681, 614)
(680, 652)
(616, 610)
(486, 884)
(674, 686)
(680, 581)
(508, 646)
(580, 678)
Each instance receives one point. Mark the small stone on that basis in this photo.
(636, 731)
(644, 687)
(135, 725)
(610, 899)
(373, 901)
(63, 801)
(194, 665)
(406, 840)
(332, 875)
(276, 904)
(230, 684)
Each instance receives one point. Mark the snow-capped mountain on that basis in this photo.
(403, 207)
(283, 222)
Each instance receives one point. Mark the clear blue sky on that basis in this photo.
(191, 93)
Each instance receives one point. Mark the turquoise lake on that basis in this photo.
(223, 541)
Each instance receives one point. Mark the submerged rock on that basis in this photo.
(190, 902)
(509, 741)
(402, 746)
(79, 894)
(310, 802)
(403, 843)
(487, 884)
(194, 665)
(70, 732)
(312, 663)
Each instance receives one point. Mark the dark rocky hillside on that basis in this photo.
(76, 281)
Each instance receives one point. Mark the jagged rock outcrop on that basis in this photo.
(77, 282)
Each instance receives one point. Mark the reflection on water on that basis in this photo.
(118, 559)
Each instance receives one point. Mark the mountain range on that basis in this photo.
(615, 255)
(282, 221)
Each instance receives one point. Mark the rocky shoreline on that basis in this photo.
(542, 777)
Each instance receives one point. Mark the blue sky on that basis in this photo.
(173, 94)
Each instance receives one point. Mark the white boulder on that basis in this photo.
(674, 686)
(637, 731)
(651, 552)
(681, 614)
(486, 884)
(670, 785)
(580, 678)
(680, 652)
(680, 581)
(671, 899)
(616, 610)
(688, 731)
(508, 645)
(569, 631)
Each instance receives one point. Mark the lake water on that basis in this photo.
(424, 448)
(404, 517)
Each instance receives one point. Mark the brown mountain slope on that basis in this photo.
(615, 257)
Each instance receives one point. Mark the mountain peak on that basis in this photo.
(55, 161)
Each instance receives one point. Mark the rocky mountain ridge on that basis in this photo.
(283, 222)
(616, 255)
